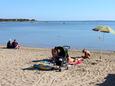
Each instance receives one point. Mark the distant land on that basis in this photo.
(29, 20)
(16, 20)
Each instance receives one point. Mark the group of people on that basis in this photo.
(71, 60)
(13, 44)
(55, 52)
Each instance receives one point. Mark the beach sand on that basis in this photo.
(92, 72)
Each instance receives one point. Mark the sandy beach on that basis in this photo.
(92, 72)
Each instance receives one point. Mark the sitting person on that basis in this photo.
(59, 56)
(54, 53)
(9, 44)
(86, 53)
(15, 44)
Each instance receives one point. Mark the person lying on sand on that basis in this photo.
(78, 60)
(74, 61)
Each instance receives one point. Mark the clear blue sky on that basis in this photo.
(58, 9)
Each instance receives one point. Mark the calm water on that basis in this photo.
(77, 34)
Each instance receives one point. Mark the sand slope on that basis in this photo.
(94, 72)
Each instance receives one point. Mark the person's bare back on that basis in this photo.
(86, 53)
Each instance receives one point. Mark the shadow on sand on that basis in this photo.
(7, 48)
(40, 67)
(44, 65)
(110, 81)
(46, 60)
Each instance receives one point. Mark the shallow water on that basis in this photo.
(77, 34)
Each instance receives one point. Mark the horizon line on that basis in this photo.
(72, 20)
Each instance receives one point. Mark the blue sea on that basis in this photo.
(47, 34)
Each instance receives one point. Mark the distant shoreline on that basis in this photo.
(26, 20)
(16, 20)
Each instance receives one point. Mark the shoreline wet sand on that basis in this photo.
(92, 72)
